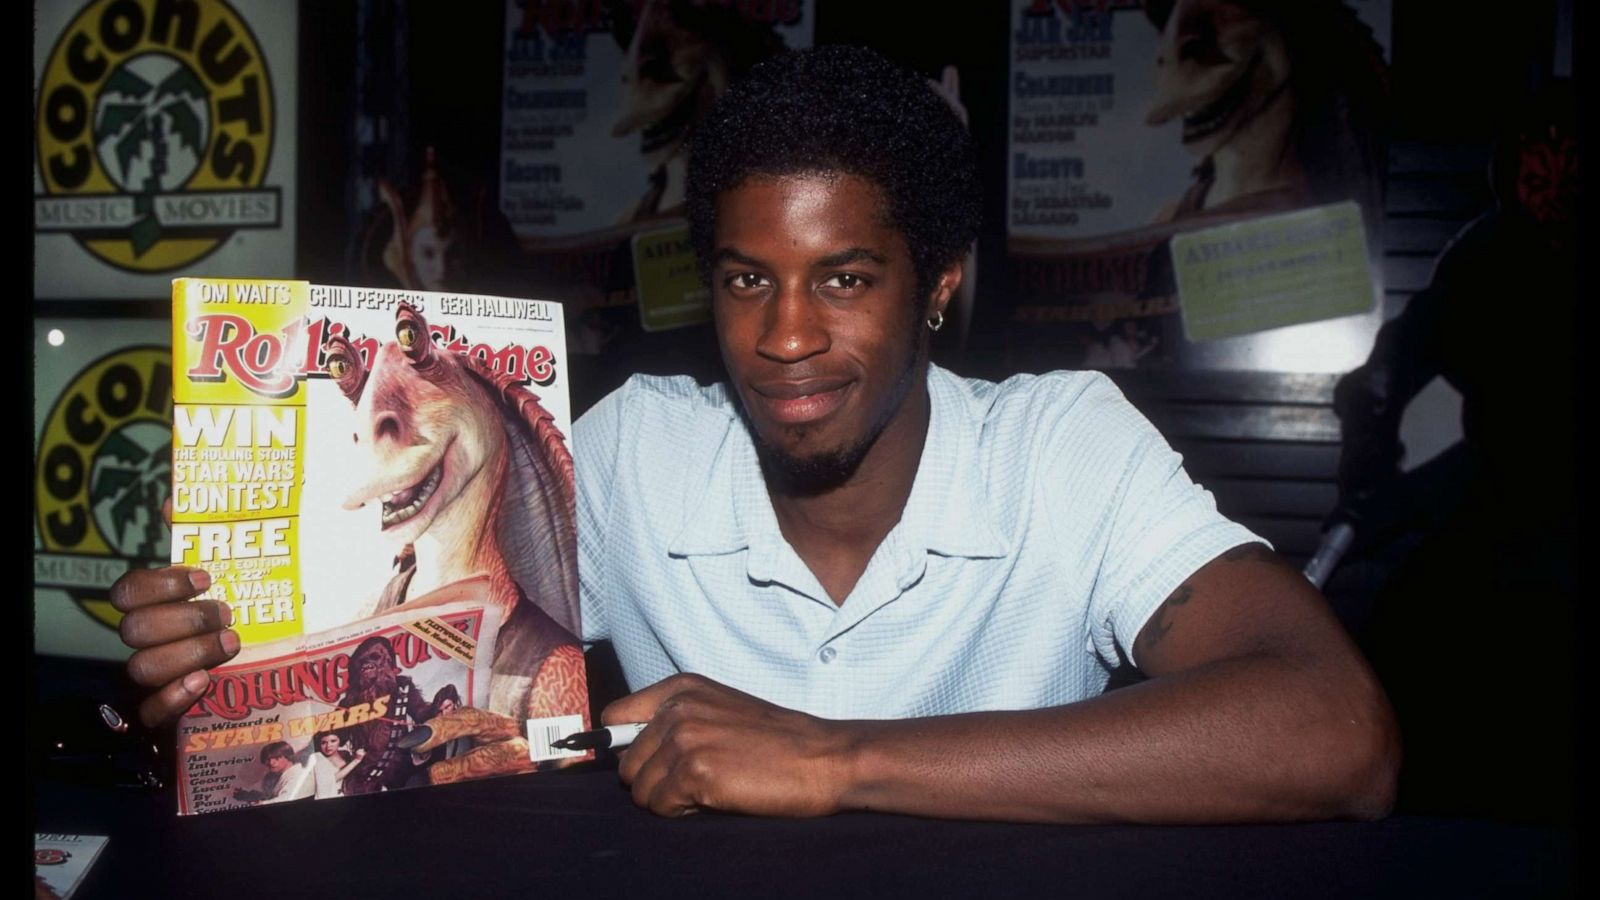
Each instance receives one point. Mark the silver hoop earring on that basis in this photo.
(936, 321)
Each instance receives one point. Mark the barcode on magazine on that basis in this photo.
(544, 732)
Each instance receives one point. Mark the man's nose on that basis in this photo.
(795, 327)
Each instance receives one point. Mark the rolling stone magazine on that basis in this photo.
(380, 485)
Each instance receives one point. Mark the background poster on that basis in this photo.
(600, 99)
(598, 105)
(102, 433)
(1130, 121)
(164, 139)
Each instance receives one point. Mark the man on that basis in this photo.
(286, 779)
(848, 580)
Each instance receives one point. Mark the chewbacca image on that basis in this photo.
(375, 674)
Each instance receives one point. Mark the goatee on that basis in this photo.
(818, 473)
(808, 476)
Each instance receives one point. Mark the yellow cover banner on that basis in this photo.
(237, 445)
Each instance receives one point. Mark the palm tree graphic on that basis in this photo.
(140, 116)
(134, 481)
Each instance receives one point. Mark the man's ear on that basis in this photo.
(945, 288)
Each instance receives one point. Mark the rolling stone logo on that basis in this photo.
(101, 476)
(154, 129)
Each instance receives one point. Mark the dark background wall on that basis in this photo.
(1266, 443)
(1453, 74)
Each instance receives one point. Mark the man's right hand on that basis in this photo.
(176, 640)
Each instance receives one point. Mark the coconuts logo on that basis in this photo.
(155, 124)
(101, 476)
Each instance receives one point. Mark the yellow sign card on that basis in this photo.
(1273, 271)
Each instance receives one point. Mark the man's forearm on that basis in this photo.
(1258, 708)
(1254, 738)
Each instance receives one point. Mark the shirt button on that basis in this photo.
(827, 654)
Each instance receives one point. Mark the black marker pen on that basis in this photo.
(614, 737)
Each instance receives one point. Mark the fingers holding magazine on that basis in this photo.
(176, 640)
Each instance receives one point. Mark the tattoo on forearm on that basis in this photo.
(1161, 622)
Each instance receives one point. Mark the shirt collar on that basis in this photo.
(947, 513)
(713, 524)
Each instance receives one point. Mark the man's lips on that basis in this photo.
(799, 401)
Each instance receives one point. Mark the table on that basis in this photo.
(577, 831)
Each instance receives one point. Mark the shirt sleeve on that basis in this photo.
(1159, 527)
(596, 437)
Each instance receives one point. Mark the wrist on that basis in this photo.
(854, 762)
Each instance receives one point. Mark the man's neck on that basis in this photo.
(837, 531)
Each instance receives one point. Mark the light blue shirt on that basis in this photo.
(1047, 522)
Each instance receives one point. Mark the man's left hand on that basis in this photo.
(708, 746)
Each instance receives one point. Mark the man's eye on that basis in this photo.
(745, 281)
(844, 281)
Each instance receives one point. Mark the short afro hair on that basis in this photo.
(851, 111)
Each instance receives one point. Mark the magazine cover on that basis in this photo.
(61, 860)
(327, 715)
(341, 454)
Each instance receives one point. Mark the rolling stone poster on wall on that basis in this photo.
(599, 101)
(164, 142)
(1246, 135)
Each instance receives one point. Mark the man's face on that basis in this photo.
(277, 764)
(820, 328)
(329, 745)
